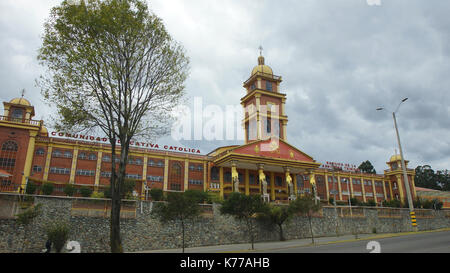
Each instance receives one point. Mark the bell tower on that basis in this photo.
(264, 105)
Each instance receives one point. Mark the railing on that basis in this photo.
(424, 213)
(6, 187)
(21, 120)
(101, 208)
(390, 212)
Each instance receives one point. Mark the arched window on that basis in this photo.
(8, 155)
(176, 169)
(10, 146)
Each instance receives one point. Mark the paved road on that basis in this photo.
(429, 242)
(437, 241)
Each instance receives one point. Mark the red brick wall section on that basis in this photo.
(21, 137)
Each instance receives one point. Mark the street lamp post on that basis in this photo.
(405, 176)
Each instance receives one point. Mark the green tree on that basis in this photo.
(367, 167)
(197, 195)
(47, 188)
(70, 190)
(307, 206)
(276, 215)
(156, 194)
(112, 67)
(85, 191)
(31, 188)
(244, 208)
(426, 177)
(179, 207)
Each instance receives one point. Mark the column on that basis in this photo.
(272, 186)
(29, 158)
(186, 174)
(98, 170)
(374, 191)
(384, 189)
(363, 189)
(400, 188)
(144, 176)
(247, 184)
(284, 128)
(47, 163)
(204, 177)
(295, 185)
(234, 177)
(221, 181)
(258, 116)
(350, 181)
(73, 169)
(390, 188)
(166, 173)
(327, 187)
(339, 186)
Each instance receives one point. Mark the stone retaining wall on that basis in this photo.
(140, 231)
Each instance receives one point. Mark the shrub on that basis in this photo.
(31, 188)
(107, 192)
(354, 201)
(58, 233)
(127, 188)
(198, 196)
(69, 190)
(47, 188)
(85, 191)
(156, 194)
(371, 203)
(96, 194)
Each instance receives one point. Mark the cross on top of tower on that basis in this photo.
(260, 50)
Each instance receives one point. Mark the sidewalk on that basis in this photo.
(267, 246)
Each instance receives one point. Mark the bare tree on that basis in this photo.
(112, 67)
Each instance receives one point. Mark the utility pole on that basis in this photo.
(405, 176)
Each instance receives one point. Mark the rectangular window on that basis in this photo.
(56, 170)
(195, 182)
(155, 178)
(133, 176)
(105, 174)
(85, 172)
(37, 169)
(268, 86)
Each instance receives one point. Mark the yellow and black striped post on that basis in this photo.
(413, 219)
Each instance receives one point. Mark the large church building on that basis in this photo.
(264, 164)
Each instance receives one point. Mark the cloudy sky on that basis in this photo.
(339, 59)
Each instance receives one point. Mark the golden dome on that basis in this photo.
(261, 67)
(43, 131)
(20, 101)
(395, 158)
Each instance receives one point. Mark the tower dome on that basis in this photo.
(20, 101)
(261, 67)
(395, 158)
